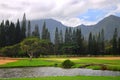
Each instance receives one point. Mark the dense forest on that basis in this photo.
(18, 40)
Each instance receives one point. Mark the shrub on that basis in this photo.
(12, 51)
(55, 65)
(67, 64)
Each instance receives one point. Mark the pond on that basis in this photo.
(52, 71)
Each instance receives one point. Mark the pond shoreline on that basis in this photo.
(52, 71)
(82, 67)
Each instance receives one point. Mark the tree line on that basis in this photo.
(72, 42)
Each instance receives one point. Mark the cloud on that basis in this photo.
(66, 11)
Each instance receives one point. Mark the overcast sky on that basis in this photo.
(69, 12)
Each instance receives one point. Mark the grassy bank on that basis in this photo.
(79, 62)
(69, 78)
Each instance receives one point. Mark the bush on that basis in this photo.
(67, 64)
(12, 51)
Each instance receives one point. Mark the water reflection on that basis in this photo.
(52, 71)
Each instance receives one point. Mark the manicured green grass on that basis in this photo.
(28, 63)
(110, 64)
(41, 62)
(69, 78)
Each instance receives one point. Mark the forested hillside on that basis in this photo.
(100, 39)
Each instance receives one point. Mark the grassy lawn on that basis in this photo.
(28, 63)
(110, 64)
(69, 78)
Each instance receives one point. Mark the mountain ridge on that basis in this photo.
(108, 24)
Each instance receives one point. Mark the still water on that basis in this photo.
(52, 71)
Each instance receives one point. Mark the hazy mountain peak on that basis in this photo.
(108, 24)
(113, 16)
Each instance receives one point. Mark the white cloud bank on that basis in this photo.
(65, 11)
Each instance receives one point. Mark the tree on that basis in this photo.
(2, 35)
(61, 37)
(36, 32)
(74, 37)
(44, 31)
(114, 42)
(31, 46)
(90, 43)
(12, 34)
(23, 29)
(48, 36)
(29, 29)
(102, 41)
(17, 32)
(66, 36)
(94, 46)
(35, 47)
(79, 41)
(57, 40)
(70, 35)
(7, 33)
(47, 33)
(119, 46)
(99, 42)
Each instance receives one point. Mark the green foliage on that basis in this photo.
(114, 42)
(45, 33)
(27, 63)
(11, 33)
(119, 45)
(29, 29)
(17, 32)
(67, 64)
(12, 51)
(35, 47)
(23, 27)
(57, 41)
(90, 43)
(36, 32)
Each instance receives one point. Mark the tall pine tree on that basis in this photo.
(47, 33)
(7, 33)
(70, 35)
(90, 43)
(44, 31)
(102, 42)
(12, 34)
(66, 36)
(36, 32)
(2, 35)
(114, 41)
(57, 41)
(119, 46)
(29, 29)
(23, 27)
(79, 40)
(18, 32)
(61, 37)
